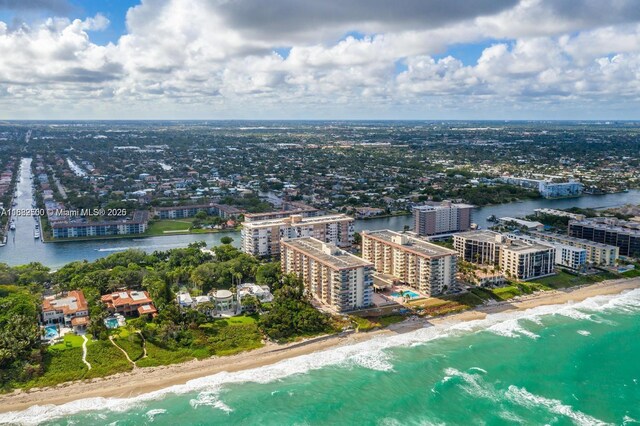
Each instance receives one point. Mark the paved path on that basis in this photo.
(84, 351)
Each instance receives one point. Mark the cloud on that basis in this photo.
(55, 6)
(202, 58)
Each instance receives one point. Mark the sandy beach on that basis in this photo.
(144, 380)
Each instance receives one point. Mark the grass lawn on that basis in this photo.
(70, 341)
(169, 226)
(632, 273)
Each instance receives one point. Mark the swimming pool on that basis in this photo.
(50, 332)
(410, 294)
(111, 323)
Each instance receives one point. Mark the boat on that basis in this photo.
(492, 218)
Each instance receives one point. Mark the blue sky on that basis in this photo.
(419, 59)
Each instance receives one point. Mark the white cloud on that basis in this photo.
(197, 58)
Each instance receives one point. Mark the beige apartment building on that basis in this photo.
(426, 267)
(597, 253)
(262, 237)
(331, 275)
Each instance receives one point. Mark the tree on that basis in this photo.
(250, 304)
(226, 240)
(292, 314)
(269, 274)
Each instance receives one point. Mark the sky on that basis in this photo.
(322, 59)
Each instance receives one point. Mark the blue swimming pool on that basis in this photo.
(410, 294)
(111, 322)
(50, 332)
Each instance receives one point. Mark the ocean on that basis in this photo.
(572, 364)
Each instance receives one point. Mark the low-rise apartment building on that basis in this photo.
(262, 238)
(423, 266)
(331, 275)
(81, 227)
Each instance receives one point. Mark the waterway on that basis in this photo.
(22, 248)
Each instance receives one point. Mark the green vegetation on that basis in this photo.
(105, 359)
(169, 226)
(564, 279)
(291, 315)
(371, 323)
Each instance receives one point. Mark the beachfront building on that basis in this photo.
(568, 256)
(262, 238)
(69, 309)
(520, 259)
(547, 188)
(527, 261)
(181, 212)
(620, 233)
(78, 227)
(441, 218)
(482, 246)
(129, 303)
(421, 265)
(336, 278)
(224, 303)
(597, 253)
(262, 293)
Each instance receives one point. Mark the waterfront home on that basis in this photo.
(224, 302)
(129, 303)
(262, 293)
(69, 309)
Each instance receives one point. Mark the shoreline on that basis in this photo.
(144, 380)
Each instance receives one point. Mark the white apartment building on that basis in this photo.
(520, 259)
(566, 255)
(526, 260)
(262, 238)
(597, 253)
(331, 275)
(424, 266)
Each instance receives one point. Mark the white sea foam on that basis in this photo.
(151, 414)
(211, 399)
(526, 399)
(368, 354)
(584, 332)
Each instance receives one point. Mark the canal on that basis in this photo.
(23, 248)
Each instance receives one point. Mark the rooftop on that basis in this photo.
(297, 220)
(408, 242)
(327, 254)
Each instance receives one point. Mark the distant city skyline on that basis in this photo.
(287, 59)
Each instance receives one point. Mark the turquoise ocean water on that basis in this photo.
(558, 365)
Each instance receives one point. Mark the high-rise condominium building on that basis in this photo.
(597, 253)
(441, 218)
(426, 267)
(524, 260)
(331, 275)
(262, 237)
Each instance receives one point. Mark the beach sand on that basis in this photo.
(144, 380)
